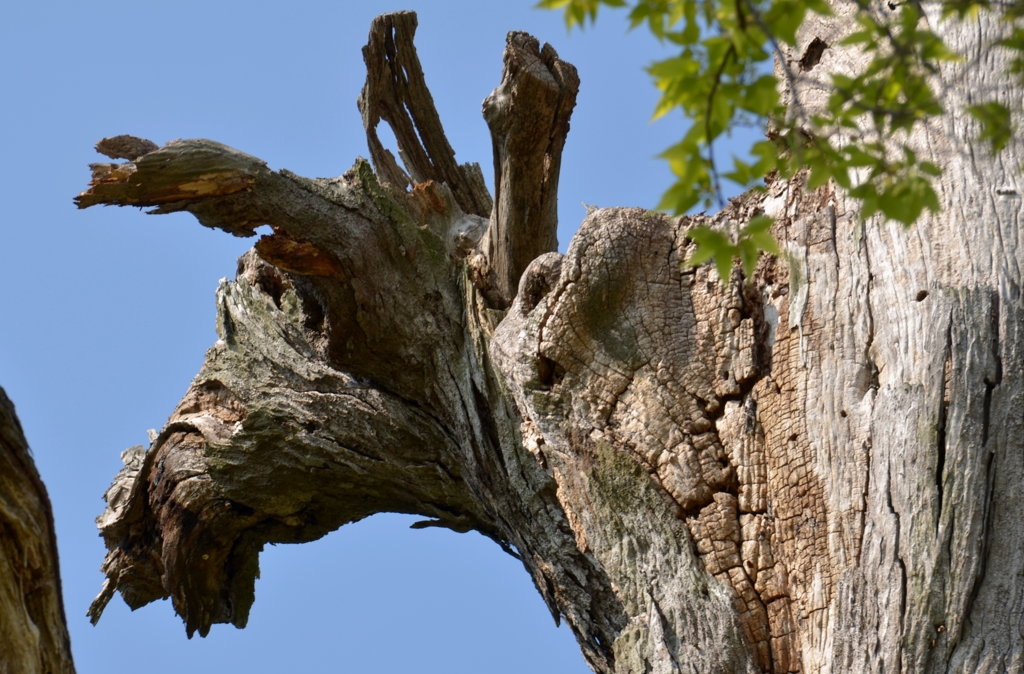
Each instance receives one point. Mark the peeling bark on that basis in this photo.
(810, 470)
(33, 631)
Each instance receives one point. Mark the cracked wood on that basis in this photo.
(811, 470)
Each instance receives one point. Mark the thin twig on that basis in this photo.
(717, 187)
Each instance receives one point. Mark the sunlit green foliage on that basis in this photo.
(722, 78)
(745, 245)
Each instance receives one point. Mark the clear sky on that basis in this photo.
(108, 312)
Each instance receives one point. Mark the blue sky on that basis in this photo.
(108, 312)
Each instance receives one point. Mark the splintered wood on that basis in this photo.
(815, 469)
(180, 171)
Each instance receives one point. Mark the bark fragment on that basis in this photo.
(125, 147)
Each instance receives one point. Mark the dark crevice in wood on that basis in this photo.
(896, 551)
(549, 373)
(940, 424)
(812, 55)
(270, 280)
(992, 382)
(987, 412)
(294, 255)
(490, 428)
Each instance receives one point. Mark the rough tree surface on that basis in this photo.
(815, 469)
(33, 631)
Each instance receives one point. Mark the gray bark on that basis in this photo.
(811, 470)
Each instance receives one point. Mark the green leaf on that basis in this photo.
(784, 18)
(996, 125)
(679, 198)
(758, 224)
(962, 8)
(868, 194)
(723, 263)
(710, 242)
(858, 157)
(762, 96)
(819, 7)
(758, 232)
(865, 37)
(1015, 41)
(748, 256)
(821, 170)
(766, 242)
(741, 173)
(718, 80)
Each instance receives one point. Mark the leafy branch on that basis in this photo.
(721, 80)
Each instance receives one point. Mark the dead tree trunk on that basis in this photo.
(813, 470)
(33, 632)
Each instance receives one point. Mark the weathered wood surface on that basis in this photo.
(33, 631)
(812, 470)
(528, 115)
(396, 92)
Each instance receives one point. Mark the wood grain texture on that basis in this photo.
(814, 469)
(528, 115)
(396, 91)
(33, 630)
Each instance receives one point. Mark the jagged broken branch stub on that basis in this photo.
(351, 376)
(376, 354)
(528, 115)
(396, 91)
